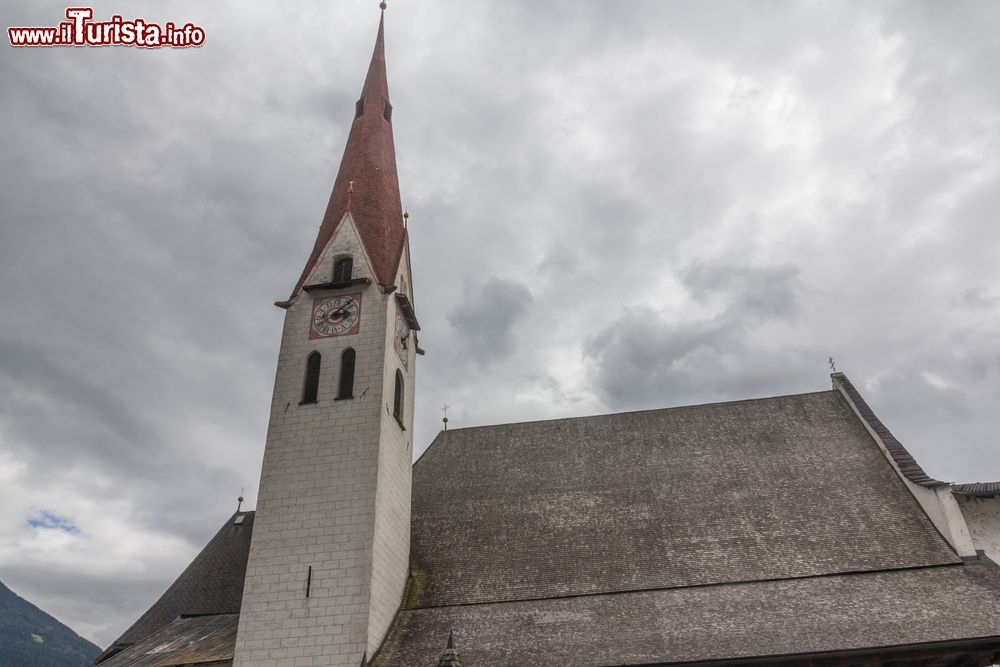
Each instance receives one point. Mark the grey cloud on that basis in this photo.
(487, 319)
(679, 202)
(977, 297)
(645, 360)
(766, 291)
(947, 421)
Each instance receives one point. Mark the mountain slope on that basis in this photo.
(31, 638)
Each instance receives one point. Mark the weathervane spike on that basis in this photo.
(444, 409)
(833, 366)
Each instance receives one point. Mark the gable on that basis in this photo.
(345, 241)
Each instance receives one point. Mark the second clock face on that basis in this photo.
(336, 316)
(402, 340)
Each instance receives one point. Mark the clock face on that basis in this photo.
(336, 316)
(402, 341)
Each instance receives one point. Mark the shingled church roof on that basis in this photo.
(743, 491)
(766, 529)
(751, 528)
(977, 489)
(771, 621)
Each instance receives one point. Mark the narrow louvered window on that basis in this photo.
(397, 401)
(342, 270)
(310, 390)
(346, 387)
(359, 108)
(387, 111)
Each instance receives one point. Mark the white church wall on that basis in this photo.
(982, 514)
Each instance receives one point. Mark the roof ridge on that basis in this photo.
(640, 411)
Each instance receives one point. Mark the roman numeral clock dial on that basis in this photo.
(336, 316)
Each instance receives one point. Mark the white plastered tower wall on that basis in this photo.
(335, 488)
(391, 552)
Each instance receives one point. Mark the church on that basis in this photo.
(791, 530)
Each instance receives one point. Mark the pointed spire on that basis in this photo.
(367, 184)
(364, 659)
(450, 657)
(376, 82)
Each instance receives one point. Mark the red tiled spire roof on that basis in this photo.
(369, 163)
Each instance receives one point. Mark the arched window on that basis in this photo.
(342, 270)
(310, 389)
(397, 400)
(346, 387)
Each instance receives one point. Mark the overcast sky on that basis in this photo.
(614, 206)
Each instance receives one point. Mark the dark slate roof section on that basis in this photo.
(772, 488)
(211, 584)
(198, 640)
(775, 618)
(907, 464)
(977, 489)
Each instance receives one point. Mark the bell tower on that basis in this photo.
(329, 555)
